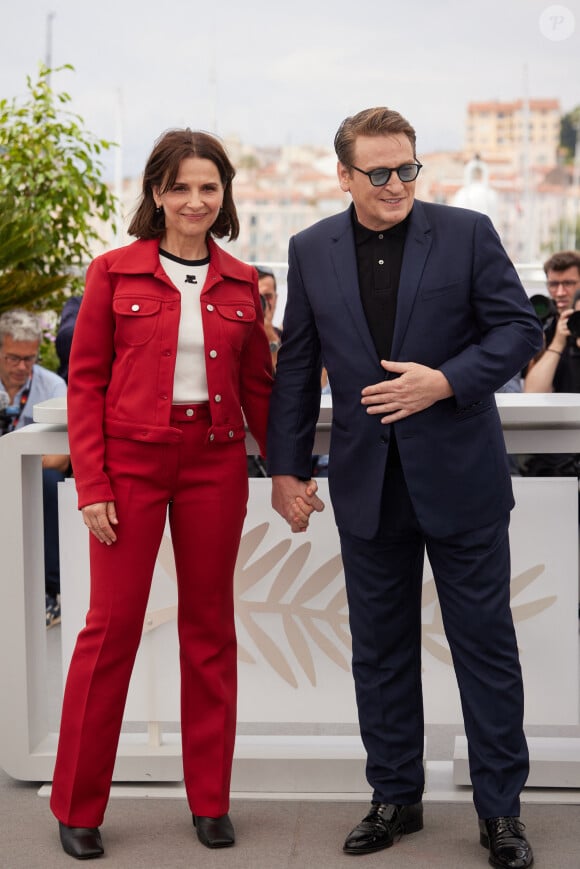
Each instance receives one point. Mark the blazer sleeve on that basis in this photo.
(295, 404)
(509, 331)
(256, 376)
(89, 375)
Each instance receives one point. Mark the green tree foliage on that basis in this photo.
(21, 248)
(569, 126)
(53, 199)
(566, 236)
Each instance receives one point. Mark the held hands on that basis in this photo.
(295, 500)
(417, 388)
(99, 519)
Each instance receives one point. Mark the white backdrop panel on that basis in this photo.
(294, 650)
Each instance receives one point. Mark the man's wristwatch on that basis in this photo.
(274, 346)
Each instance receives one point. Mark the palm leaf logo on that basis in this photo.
(309, 611)
(434, 633)
(303, 621)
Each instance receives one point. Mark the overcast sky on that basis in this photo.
(276, 72)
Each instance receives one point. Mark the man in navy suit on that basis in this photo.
(418, 316)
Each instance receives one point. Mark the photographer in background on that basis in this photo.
(268, 297)
(557, 368)
(24, 383)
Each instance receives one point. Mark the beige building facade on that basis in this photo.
(518, 131)
(279, 191)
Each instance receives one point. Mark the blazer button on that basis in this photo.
(240, 313)
(212, 437)
(135, 307)
(213, 354)
(210, 307)
(217, 398)
(189, 411)
(230, 434)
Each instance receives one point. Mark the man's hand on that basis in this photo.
(542, 370)
(562, 332)
(417, 388)
(99, 519)
(295, 500)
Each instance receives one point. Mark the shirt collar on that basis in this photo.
(363, 234)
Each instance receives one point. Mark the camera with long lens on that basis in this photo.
(6, 415)
(573, 323)
(547, 314)
(546, 310)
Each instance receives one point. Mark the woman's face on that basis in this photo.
(191, 206)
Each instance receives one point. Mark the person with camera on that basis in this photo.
(557, 369)
(24, 383)
(268, 298)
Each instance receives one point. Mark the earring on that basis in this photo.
(159, 209)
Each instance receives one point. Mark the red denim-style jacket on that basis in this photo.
(123, 357)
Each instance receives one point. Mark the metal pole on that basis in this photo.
(527, 198)
(48, 57)
(576, 191)
(118, 177)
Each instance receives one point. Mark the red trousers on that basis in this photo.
(205, 487)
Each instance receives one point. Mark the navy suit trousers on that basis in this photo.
(472, 576)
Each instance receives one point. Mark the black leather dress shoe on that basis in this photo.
(83, 843)
(214, 832)
(508, 847)
(384, 823)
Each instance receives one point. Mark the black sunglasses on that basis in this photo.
(407, 172)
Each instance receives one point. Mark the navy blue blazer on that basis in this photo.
(461, 308)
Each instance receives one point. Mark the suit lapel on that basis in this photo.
(417, 247)
(343, 256)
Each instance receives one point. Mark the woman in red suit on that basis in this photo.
(169, 355)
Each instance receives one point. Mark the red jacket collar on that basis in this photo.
(142, 257)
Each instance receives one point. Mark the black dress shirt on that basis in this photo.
(379, 256)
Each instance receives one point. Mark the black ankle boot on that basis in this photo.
(83, 843)
(214, 832)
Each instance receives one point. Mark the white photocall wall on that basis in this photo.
(292, 619)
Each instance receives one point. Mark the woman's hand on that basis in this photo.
(99, 519)
(295, 500)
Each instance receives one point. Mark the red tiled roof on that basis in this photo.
(513, 106)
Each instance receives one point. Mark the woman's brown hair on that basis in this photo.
(161, 171)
